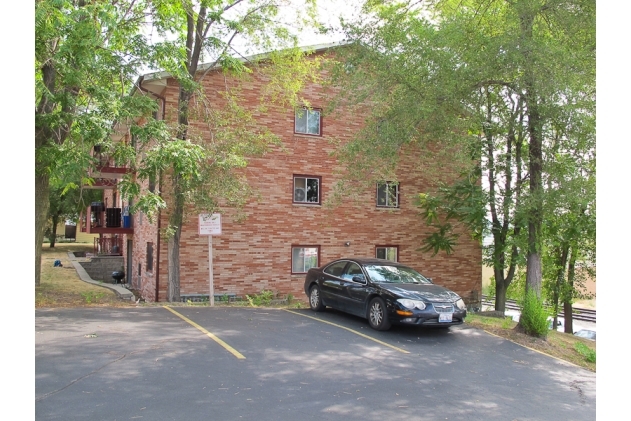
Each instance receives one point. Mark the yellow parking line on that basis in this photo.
(352, 331)
(210, 335)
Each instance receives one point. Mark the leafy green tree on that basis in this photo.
(86, 54)
(66, 204)
(197, 173)
(486, 81)
(570, 223)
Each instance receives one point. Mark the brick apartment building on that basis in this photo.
(287, 229)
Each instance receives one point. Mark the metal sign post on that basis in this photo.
(210, 225)
(211, 281)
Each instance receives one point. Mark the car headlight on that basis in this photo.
(410, 304)
(460, 304)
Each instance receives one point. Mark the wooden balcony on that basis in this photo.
(101, 184)
(109, 171)
(105, 173)
(99, 220)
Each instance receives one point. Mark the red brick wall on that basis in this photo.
(255, 254)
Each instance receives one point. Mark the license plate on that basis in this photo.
(445, 317)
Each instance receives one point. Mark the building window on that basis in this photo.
(388, 195)
(152, 182)
(308, 121)
(304, 258)
(149, 264)
(307, 189)
(387, 252)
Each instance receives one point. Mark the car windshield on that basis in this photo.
(395, 275)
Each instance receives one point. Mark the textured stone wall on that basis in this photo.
(100, 268)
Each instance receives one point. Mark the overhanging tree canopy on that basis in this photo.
(490, 81)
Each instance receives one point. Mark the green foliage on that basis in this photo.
(516, 289)
(86, 55)
(201, 169)
(483, 91)
(534, 316)
(263, 298)
(92, 297)
(507, 323)
(587, 353)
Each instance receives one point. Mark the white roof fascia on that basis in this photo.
(155, 76)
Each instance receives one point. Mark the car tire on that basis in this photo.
(378, 314)
(315, 299)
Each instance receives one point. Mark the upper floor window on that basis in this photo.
(388, 195)
(308, 121)
(152, 182)
(387, 252)
(307, 189)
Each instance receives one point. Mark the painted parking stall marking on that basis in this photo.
(352, 331)
(209, 334)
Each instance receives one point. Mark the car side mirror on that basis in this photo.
(359, 279)
(430, 279)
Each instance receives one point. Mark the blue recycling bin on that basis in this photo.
(126, 221)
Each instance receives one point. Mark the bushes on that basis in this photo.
(534, 316)
(587, 353)
(263, 299)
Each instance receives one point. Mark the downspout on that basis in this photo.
(158, 260)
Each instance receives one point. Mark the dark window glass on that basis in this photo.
(149, 264)
(387, 195)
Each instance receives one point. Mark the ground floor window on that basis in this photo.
(149, 264)
(304, 258)
(387, 252)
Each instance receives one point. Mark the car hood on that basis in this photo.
(427, 292)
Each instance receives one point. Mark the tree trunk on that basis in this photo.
(535, 158)
(568, 295)
(42, 188)
(173, 251)
(562, 262)
(500, 290)
(41, 216)
(53, 235)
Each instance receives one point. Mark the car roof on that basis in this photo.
(368, 261)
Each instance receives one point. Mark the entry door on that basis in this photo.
(129, 263)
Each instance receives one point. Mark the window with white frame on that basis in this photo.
(304, 258)
(387, 252)
(306, 189)
(388, 195)
(308, 121)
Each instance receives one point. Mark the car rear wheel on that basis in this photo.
(377, 315)
(315, 301)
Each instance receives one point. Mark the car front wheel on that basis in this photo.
(377, 315)
(315, 301)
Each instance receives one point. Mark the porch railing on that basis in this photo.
(112, 246)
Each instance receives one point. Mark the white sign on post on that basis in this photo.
(210, 225)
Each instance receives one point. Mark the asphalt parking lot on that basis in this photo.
(193, 363)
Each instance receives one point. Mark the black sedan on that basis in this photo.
(383, 292)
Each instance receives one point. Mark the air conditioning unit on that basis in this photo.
(300, 195)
